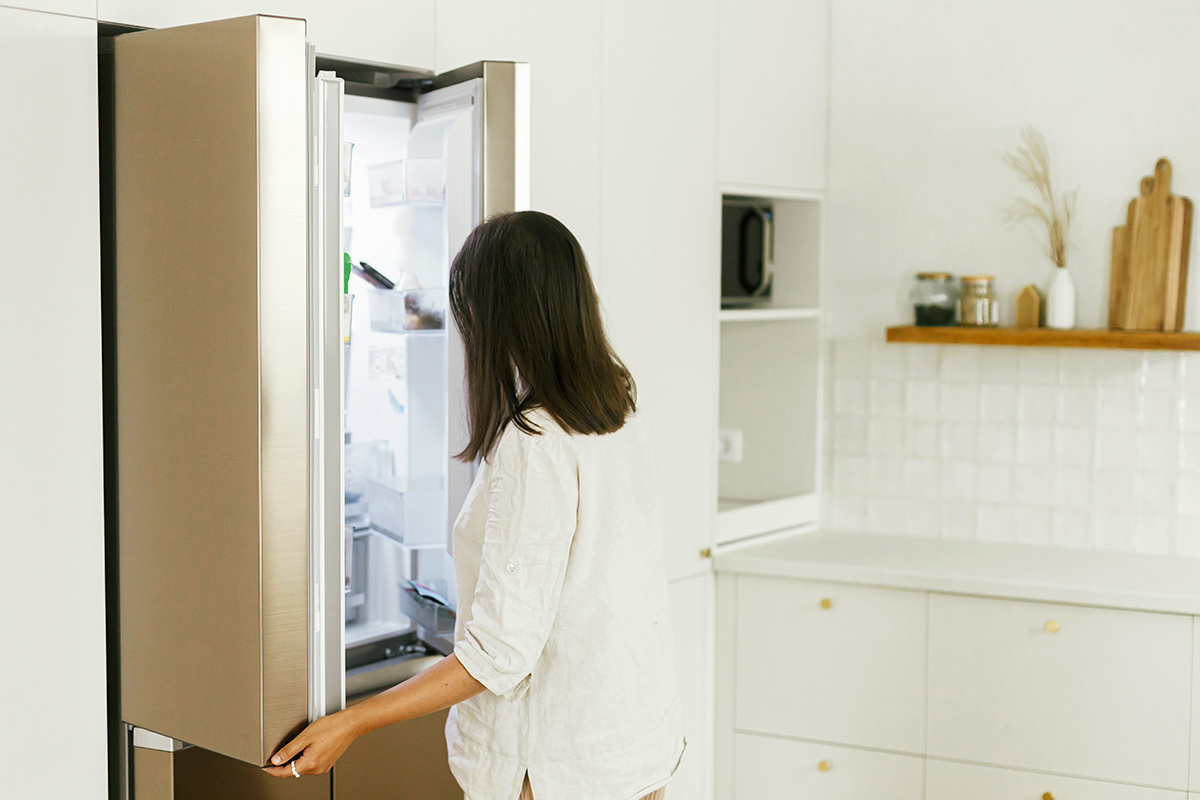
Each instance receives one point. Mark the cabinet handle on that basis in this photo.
(826, 604)
(1052, 626)
(706, 553)
(1047, 795)
(825, 766)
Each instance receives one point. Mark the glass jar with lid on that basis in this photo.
(978, 306)
(934, 297)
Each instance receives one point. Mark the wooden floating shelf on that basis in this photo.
(1046, 337)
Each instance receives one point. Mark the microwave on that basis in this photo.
(747, 251)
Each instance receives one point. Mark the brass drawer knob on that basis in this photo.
(1052, 626)
(826, 604)
(825, 766)
(706, 553)
(1047, 795)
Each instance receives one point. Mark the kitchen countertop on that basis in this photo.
(1024, 572)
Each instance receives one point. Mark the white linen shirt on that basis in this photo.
(563, 615)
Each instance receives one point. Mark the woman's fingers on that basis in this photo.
(289, 750)
(280, 772)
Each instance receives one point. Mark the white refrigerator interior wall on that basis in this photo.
(1094, 450)
(51, 493)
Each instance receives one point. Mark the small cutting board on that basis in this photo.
(1159, 234)
(1118, 281)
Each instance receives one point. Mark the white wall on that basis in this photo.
(51, 493)
(927, 95)
(1079, 449)
(395, 32)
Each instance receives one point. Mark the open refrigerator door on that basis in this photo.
(327, 557)
(419, 181)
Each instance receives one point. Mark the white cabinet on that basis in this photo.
(691, 618)
(397, 32)
(562, 44)
(658, 251)
(951, 781)
(778, 769)
(774, 92)
(51, 468)
(1083, 691)
(831, 662)
(75, 8)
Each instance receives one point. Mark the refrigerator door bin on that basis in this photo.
(426, 612)
(408, 311)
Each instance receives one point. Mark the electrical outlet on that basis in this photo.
(729, 445)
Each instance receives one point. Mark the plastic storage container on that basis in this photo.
(408, 311)
(410, 180)
(409, 510)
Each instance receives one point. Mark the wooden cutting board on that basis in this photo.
(1159, 235)
(1118, 282)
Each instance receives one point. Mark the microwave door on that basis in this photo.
(483, 109)
(212, 177)
(327, 559)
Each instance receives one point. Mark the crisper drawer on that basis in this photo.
(831, 662)
(779, 769)
(949, 781)
(1083, 691)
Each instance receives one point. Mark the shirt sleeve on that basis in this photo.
(532, 513)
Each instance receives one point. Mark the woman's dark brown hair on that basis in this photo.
(524, 302)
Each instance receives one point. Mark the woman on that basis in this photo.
(563, 677)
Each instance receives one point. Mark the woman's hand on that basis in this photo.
(317, 747)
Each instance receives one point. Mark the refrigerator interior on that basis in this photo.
(396, 219)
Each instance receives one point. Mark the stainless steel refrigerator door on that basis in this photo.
(327, 513)
(498, 171)
(212, 312)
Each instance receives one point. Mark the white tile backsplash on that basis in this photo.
(1066, 448)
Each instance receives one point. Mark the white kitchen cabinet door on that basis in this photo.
(562, 44)
(767, 768)
(1083, 691)
(51, 443)
(658, 259)
(398, 32)
(945, 780)
(692, 624)
(830, 662)
(774, 92)
(75, 8)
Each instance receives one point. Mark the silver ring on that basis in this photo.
(297, 774)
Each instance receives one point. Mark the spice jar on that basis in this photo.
(934, 297)
(978, 306)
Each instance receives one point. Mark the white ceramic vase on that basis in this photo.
(1060, 301)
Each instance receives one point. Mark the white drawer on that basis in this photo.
(852, 673)
(1106, 696)
(945, 780)
(778, 769)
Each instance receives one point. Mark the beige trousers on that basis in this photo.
(527, 793)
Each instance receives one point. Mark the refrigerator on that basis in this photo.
(289, 390)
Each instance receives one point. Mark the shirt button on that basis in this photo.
(512, 567)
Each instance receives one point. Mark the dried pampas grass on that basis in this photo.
(1032, 163)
